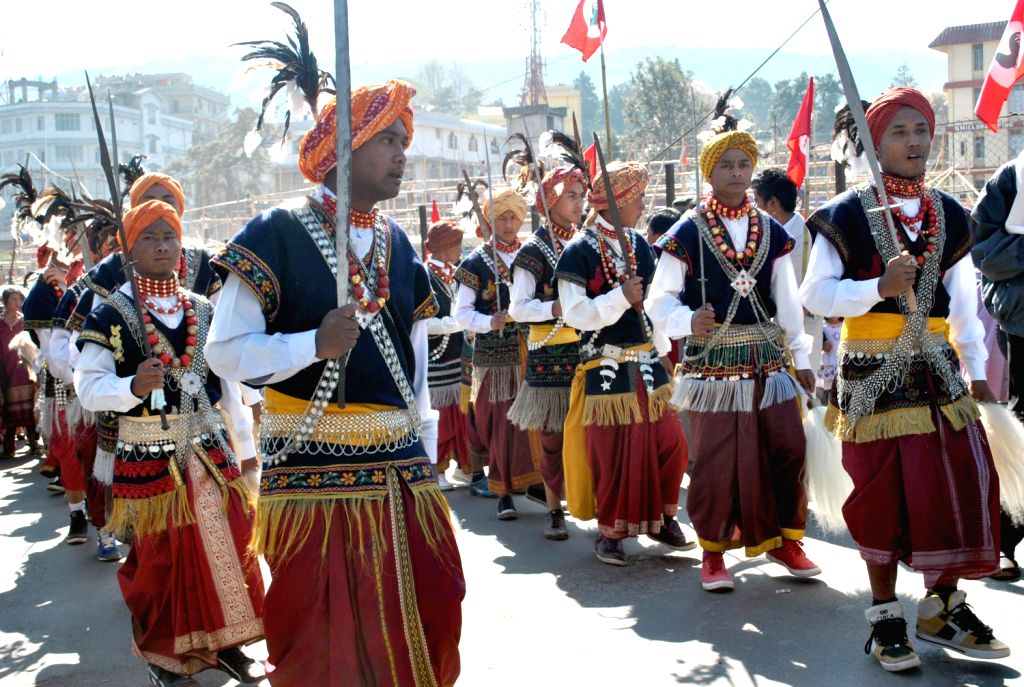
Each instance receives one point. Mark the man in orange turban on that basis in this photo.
(367, 469)
(157, 186)
(141, 217)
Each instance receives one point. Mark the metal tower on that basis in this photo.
(533, 86)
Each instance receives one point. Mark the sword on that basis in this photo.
(857, 110)
(703, 279)
(156, 396)
(343, 98)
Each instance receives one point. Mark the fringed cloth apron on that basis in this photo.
(189, 581)
(625, 453)
(925, 490)
(513, 456)
(746, 488)
(367, 580)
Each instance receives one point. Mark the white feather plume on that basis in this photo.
(468, 225)
(252, 142)
(744, 125)
(828, 484)
(463, 207)
(297, 100)
(279, 150)
(1005, 438)
(705, 136)
(546, 145)
(736, 102)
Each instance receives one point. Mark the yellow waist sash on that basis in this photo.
(357, 424)
(565, 335)
(874, 326)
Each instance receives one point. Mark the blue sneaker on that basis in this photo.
(106, 547)
(478, 487)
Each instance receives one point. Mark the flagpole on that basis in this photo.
(807, 190)
(607, 116)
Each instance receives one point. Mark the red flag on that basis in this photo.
(588, 28)
(590, 157)
(1006, 69)
(435, 216)
(799, 140)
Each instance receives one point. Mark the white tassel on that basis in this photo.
(103, 467)
(1005, 439)
(252, 142)
(828, 485)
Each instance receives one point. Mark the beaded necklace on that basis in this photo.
(445, 273)
(611, 272)
(507, 248)
(164, 288)
(361, 289)
(716, 208)
(900, 187)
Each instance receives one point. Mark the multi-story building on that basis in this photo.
(206, 108)
(53, 129)
(967, 145)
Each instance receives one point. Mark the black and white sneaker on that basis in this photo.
(536, 493)
(78, 533)
(158, 677)
(240, 667)
(554, 525)
(55, 485)
(888, 642)
(609, 551)
(671, 535)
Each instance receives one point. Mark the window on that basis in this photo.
(8, 157)
(975, 94)
(1016, 142)
(5, 126)
(963, 147)
(437, 133)
(65, 153)
(978, 55)
(150, 114)
(152, 145)
(494, 147)
(550, 122)
(41, 154)
(17, 125)
(1015, 103)
(40, 123)
(66, 122)
(174, 107)
(979, 146)
(473, 145)
(453, 141)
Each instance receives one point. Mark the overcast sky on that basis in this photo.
(65, 35)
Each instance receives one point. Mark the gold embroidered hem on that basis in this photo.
(748, 551)
(900, 422)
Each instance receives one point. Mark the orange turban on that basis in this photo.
(557, 182)
(629, 181)
(374, 108)
(889, 103)
(140, 217)
(150, 179)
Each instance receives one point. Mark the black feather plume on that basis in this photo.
(55, 202)
(525, 160)
(723, 121)
(292, 62)
(846, 139)
(25, 194)
(565, 150)
(130, 172)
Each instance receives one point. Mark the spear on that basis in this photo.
(157, 396)
(485, 227)
(700, 210)
(857, 110)
(343, 109)
(538, 181)
(613, 207)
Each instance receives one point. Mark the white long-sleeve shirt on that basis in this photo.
(240, 349)
(468, 318)
(825, 292)
(523, 307)
(591, 314)
(674, 320)
(101, 389)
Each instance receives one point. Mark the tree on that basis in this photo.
(590, 103)
(903, 77)
(446, 89)
(757, 98)
(828, 95)
(941, 107)
(217, 170)
(658, 109)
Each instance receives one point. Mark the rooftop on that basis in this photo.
(969, 33)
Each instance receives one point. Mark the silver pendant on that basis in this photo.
(191, 383)
(743, 284)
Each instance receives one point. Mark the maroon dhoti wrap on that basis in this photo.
(452, 440)
(193, 590)
(372, 598)
(637, 469)
(929, 500)
(746, 488)
(512, 455)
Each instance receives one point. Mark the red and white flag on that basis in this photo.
(799, 140)
(588, 28)
(1005, 70)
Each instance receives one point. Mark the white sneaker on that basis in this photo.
(443, 484)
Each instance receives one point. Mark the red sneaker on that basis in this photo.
(713, 575)
(791, 556)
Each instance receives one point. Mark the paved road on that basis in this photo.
(537, 613)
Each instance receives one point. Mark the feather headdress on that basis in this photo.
(25, 195)
(130, 172)
(723, 120)
(563, 148)
(296, 69)
(847, 146)
(523, 165)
